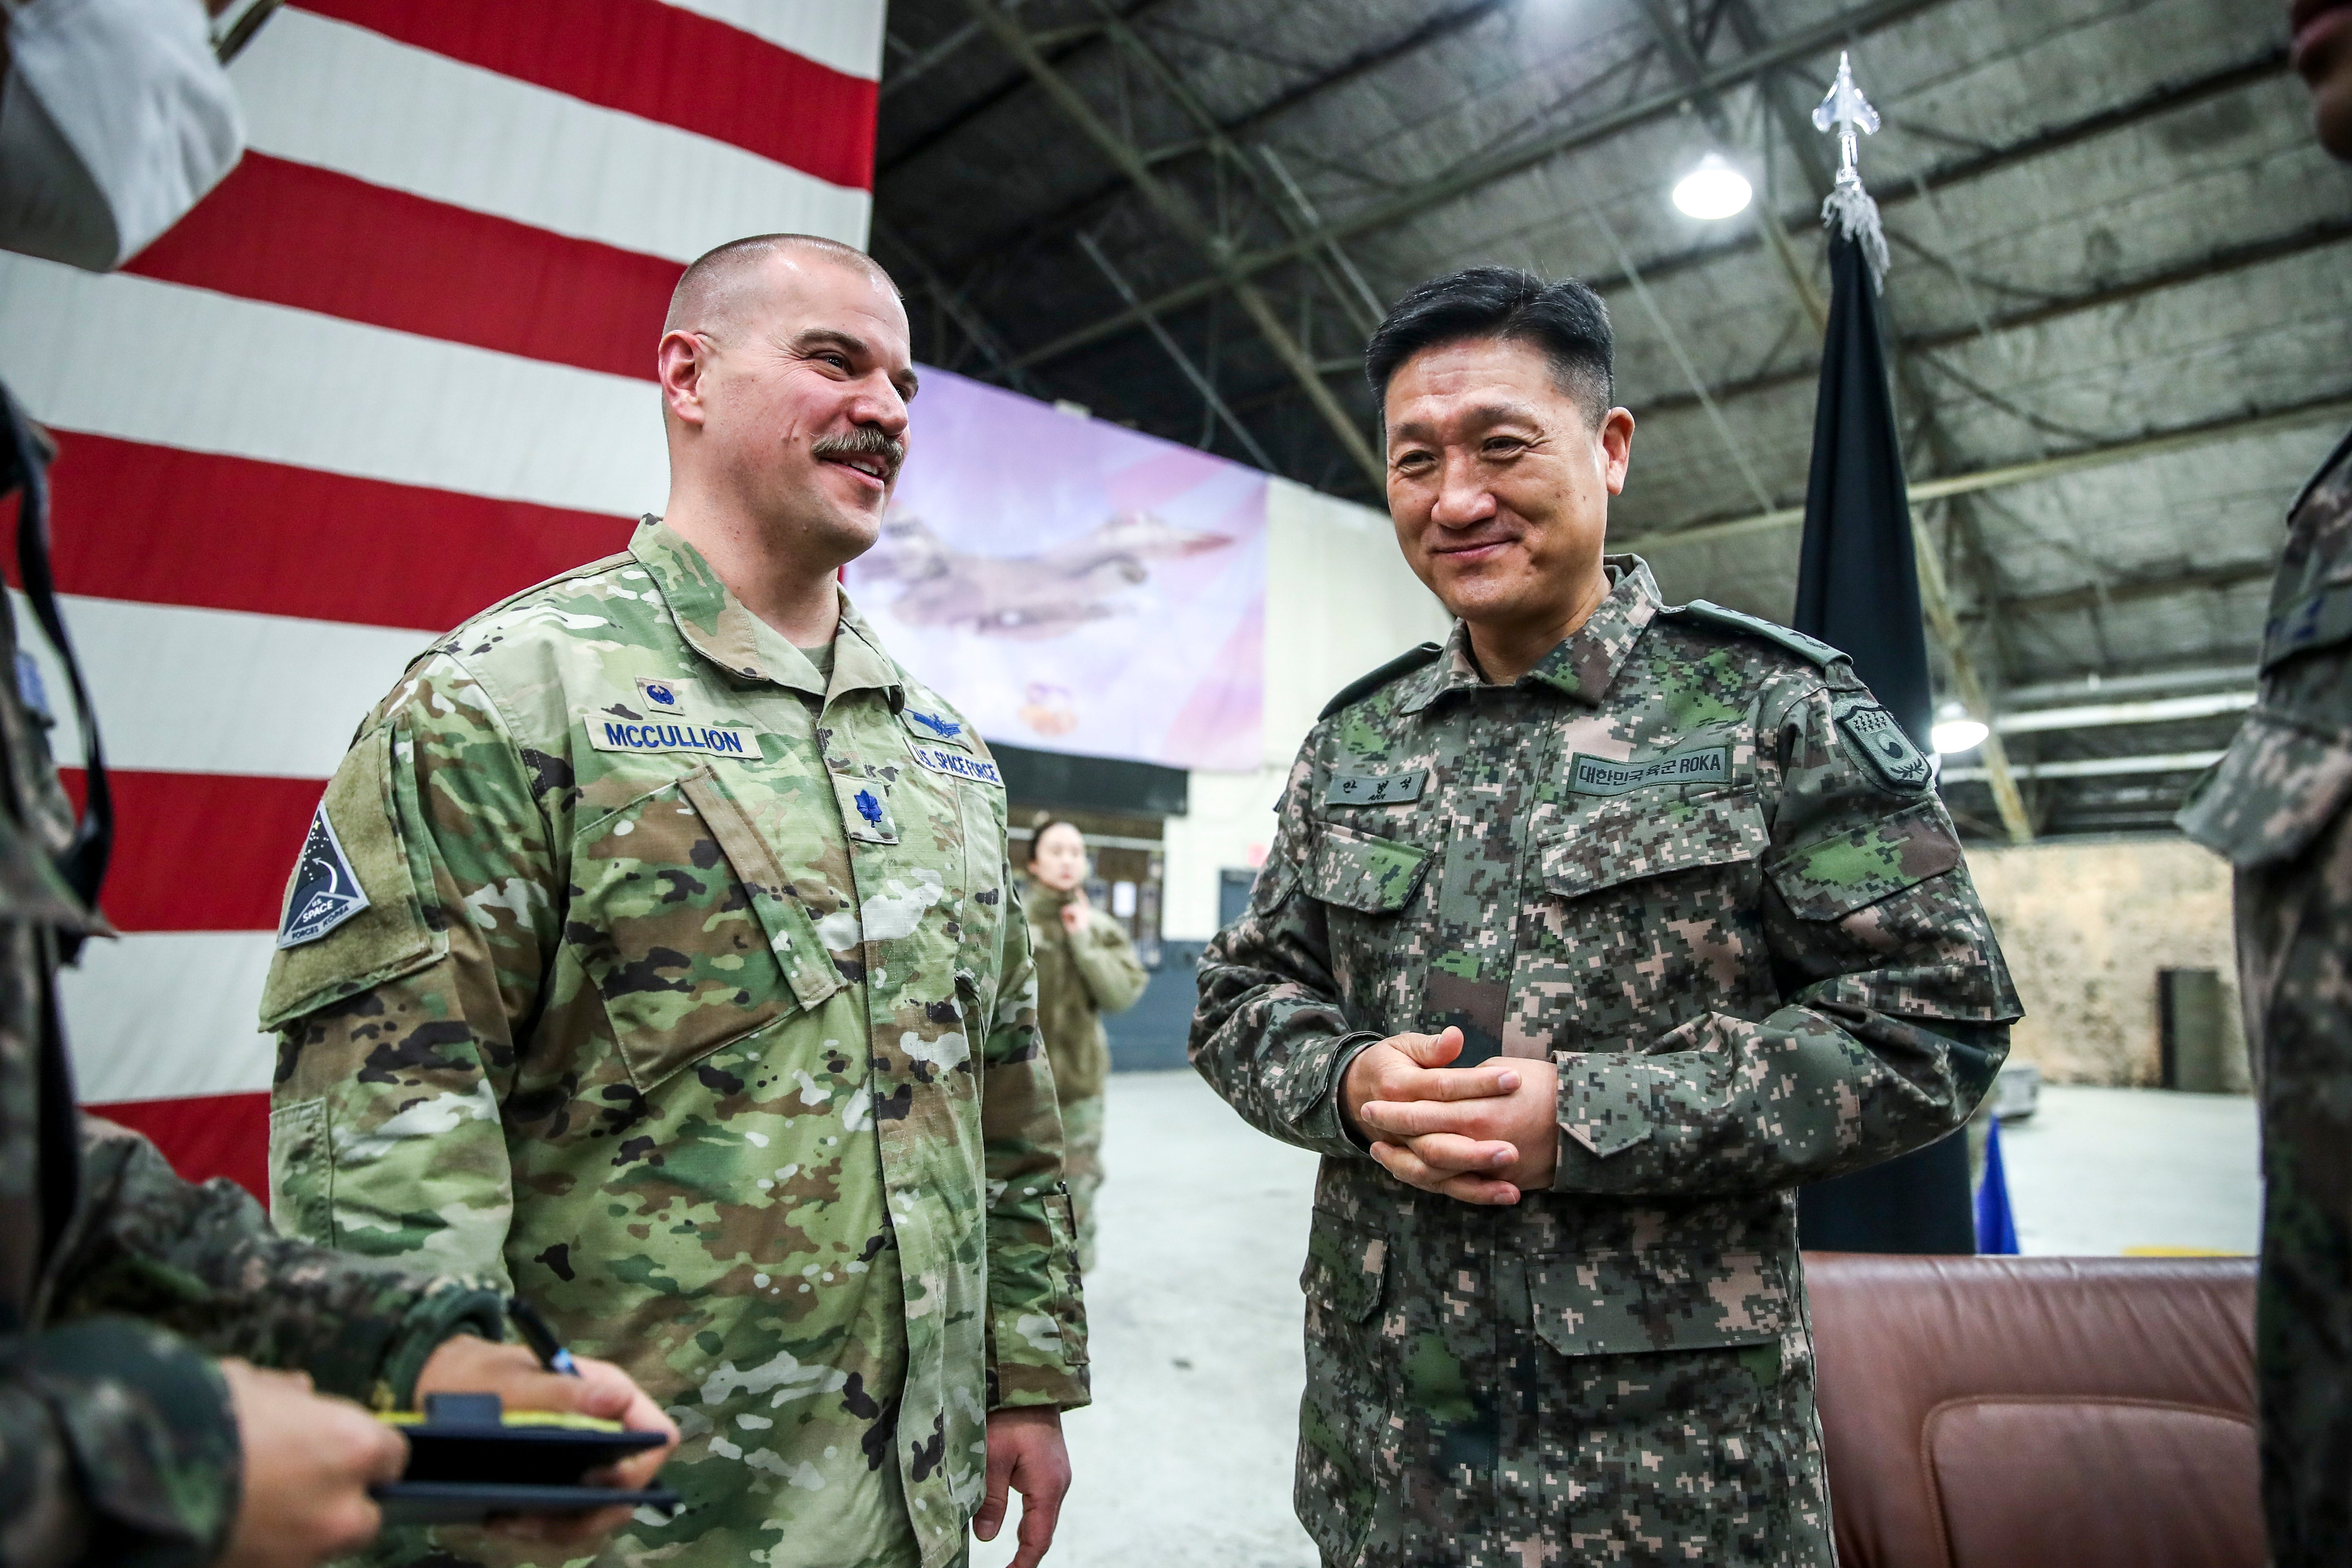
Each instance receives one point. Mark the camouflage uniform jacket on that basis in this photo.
(632, 963)
(1081, 975)
(120, 1283)
(1664, 860)
(2274, 805)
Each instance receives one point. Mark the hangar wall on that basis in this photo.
(2087, 926)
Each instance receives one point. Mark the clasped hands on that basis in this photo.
(1482, 1134)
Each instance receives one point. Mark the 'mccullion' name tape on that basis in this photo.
(711, 740)
(956, 764)
(1598, 776)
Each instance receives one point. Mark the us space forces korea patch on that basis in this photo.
(326, 891)
(1872, 734)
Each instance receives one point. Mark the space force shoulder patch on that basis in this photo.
(326, 891)
(1872, 733)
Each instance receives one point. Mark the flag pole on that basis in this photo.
(1858, 590)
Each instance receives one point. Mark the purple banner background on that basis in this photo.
(1073, 585)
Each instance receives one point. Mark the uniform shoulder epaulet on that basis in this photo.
(1404, 663)
(1795, 641)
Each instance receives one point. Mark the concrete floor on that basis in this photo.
(1183, 1460)
(2113, 1170)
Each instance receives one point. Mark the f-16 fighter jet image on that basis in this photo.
(1032, 597)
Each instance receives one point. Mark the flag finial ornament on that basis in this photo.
(1849, 208)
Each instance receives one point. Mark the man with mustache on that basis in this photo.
(2275, 807)
(1585, 939)
(654, 951)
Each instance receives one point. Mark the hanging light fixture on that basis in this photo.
(1955, 731)
(1713, 190)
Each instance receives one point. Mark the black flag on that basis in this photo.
(1858, 591)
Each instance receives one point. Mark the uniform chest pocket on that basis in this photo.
(688, 930)
(1628, 841)
(1354, 870)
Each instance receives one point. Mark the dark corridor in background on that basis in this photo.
(1120, 806)
(2193, 1030)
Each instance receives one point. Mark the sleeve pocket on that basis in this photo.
(1358, 871)
(301, 1197)
(1830, 878)
(2271, 793)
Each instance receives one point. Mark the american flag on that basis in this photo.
(397, 366)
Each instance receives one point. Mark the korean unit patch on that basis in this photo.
(1374, 789)
(326, 892)
(1874, 736)
(1599, 775)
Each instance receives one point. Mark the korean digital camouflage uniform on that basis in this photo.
(1688, 859)
(2274, 805)
(120, 1283)
(633, 962)
(1081, 975)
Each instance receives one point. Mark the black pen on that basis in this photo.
(541, 1337)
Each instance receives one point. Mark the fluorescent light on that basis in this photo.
(1955, 731)
(1713, 190)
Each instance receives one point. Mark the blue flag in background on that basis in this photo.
(1996, 1225)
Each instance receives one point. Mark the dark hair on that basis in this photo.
(1566, 320)
(1045, 821)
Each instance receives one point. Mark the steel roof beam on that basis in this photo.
(2209, 579)
(1177, 210)
(951, 302)
(1055, 50)
(2095, 767)
(1482, 170)
(2335, 405)
(1362, 64)
(2163, 100)
(2218, 263)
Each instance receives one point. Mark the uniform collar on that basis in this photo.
(1583, 666)
(715, 623)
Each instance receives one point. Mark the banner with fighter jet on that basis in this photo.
(1071, 585)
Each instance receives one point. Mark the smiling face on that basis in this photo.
(2322, 54)
(1498, 483)
(1058, 857)
(787, 396)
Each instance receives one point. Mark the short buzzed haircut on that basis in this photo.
(707, 292)
(1566, 320)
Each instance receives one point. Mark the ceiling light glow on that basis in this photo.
(1955, 731)
(1713, 190)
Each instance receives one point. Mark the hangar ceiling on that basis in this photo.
(2118, 302)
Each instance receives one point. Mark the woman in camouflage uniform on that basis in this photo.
(1086, 967)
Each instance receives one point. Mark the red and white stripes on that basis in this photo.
(397, 366)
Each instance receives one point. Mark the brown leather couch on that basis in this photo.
(2012, 1412)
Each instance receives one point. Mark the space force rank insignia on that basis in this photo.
(956, 764)
(1872, 733)
(326, 891)
(710, 740)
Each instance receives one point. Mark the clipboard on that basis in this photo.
(469, 1459)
